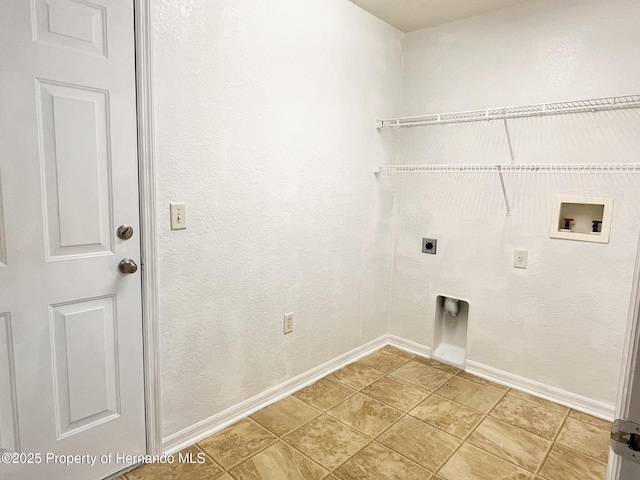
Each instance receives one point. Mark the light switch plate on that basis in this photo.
(178, 216)
(520, 259)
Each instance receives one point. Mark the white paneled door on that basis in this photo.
(71, 368)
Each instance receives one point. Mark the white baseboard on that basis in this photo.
(409, 346)
(568, 399)
(190, 435)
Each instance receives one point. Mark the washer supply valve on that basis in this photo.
(596, 225)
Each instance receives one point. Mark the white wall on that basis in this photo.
(562, 321)
(265, 114)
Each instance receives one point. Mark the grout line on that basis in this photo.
(306, 456)
(331, 471)
(356, 391)
(250, 456)
(473, 429)
(431, 393)
(573, 449)
(553, 442)
(209, 456)
(405, 414)
(504, 388)
(332, 406)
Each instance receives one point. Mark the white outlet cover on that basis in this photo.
(520, 258)
(288, 323)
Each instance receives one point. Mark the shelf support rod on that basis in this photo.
(504, 190)
(506, 129)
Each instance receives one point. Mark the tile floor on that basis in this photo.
(393, 415)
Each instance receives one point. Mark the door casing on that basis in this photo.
(630, 359)
(148, 228)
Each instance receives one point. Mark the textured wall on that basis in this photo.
(265, 115)
(562, 321)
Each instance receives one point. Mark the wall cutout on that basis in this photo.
(75, 144)
(587, 219)
(85, 353)
(450, 331)
(8, 412)
(70, 24)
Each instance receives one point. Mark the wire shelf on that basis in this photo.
(511, 168)
(592, 105)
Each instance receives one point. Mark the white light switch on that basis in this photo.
(178, 216)
(520, 258)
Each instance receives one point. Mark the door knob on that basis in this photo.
(127, 266)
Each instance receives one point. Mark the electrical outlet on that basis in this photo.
(178, 216)
(520, 258)
(288, 323)
(429, 245)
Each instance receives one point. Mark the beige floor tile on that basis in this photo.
(565, 464)
(285, 416)
(375, 462)
(208, 470)
(529, 417)
(510, 443)
(421, 375)
(400, 395)
(397, 351)
(471, 394)
(356, 375)
(327, 441)
(596, 422)
(383, 360)
(365, 414)
(432, 362)
(324, 394)
(541, 402)
(278, 462)
(585, 438)
(481, 381)
(237, 442)
(446, 415)
(471, 463)
(420, 442)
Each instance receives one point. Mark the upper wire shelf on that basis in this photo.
(592, 105)
(521, 168)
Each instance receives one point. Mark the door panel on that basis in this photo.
(71, 331)
(85, 352)
(79, 26)
(8, 423)
(74, 134)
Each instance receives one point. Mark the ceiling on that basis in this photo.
(410, 15)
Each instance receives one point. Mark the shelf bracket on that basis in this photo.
(504, 190)
(506, 129)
